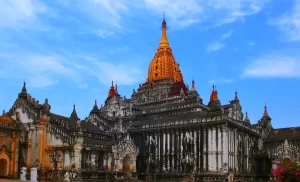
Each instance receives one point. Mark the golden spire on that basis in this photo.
(164, 40)
(164, 65)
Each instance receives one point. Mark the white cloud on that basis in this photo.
(105, 11)
(251, 43)
(119, 50)
(46, 70)
(40, 70)
(215, 46)
(232, 10)
(226, 80)
(226, 35)
(211, 81)
(221, 81)
(110, 16)
(277, 66)
(104, 33)
(21, 13)
(218, 45)
(178, 12)
(106, 71)
(289, 23)
(194, 11)
(41, 81)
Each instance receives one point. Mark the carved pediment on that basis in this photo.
(285, 150)
(125, 147)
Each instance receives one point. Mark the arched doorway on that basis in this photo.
(3, 167)
(126, 164)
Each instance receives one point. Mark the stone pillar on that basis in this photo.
(33, 175)
(195, 156)
(213, 149)
(30, 146)
(108, 162)
(93, 159)
(41, 139)
(77, 157)
(210, 141)
(204, 149)
(219, 145)
(167, 150)
(226, 144)
(164, 151)
(179, 150)
(23, 174)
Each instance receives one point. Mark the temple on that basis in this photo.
(163, 132)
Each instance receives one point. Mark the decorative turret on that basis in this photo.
(46, 105)
(193, 86)
(193, 92)
(214, 95)
(163, 65)
(95, 108)
(266, 114)
(74, 113)
(24, 91)
(236, 96)
(265, 123)
(116, 89)
(112, 91)
(214, 100)
(247, 118)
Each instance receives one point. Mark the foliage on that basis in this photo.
(287, 171)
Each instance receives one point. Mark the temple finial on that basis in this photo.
(236, 95)
(214, 94)
(112, 90)
(23, 92)
(164, 40)
(74, 114)
(193, 85)
(95, 103)
(116, 87)
(24, 87)
(247, 118)
(265, 111)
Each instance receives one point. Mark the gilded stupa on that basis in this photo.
(164, 65)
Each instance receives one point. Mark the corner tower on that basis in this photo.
(163, 65)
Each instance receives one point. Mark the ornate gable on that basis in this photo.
(125, 147)
(285, 150)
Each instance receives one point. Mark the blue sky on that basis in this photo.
(69, 51)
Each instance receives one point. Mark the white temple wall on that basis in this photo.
(23, 116)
